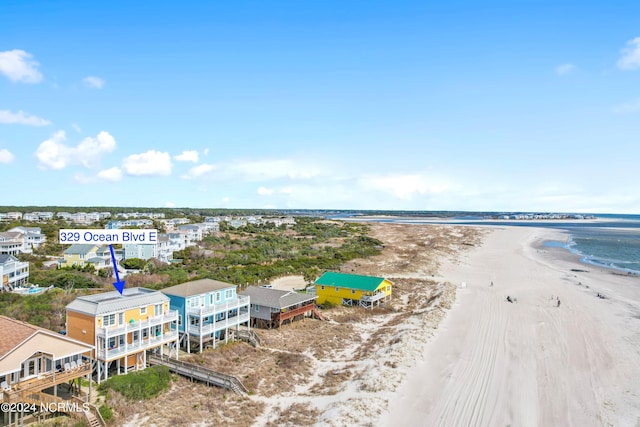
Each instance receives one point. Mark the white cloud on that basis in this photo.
(151, 163)
(565, 69)
(263, 191)
(55, 154)
(187, 156)
(255, 170)
(5, 156)
(628, 107)
(94, 82)
(404, 187)
(169, 205)
(198, 171)
(113, 174)
(19, 66)
(21, 118)
(630, 59)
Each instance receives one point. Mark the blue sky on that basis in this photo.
(335, 104)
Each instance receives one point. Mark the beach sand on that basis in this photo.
(530, 363)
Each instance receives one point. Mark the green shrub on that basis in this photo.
(139, 385)
(106, 412)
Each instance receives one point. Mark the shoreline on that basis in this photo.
(531, 363)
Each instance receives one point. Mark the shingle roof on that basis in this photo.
(79, 248)
(196, 287)
(4, 258)
(351, 281)
(110, 302)
(13, 332)
(275, 298)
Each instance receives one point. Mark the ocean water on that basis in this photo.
(611, 247)
(613, 242)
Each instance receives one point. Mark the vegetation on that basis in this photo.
(139, 385)
(249, 255)
(106, 412)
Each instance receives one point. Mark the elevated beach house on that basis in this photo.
(270, 308)
(122, 328)
(208, 311)
(33, 362)
(352, 289)
(13, 273)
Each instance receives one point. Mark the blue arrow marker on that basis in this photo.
(118, 283)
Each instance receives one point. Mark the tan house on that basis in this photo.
(34, 362)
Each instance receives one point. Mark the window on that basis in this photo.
(194, 321)
(157, 309)
(228, 294)
(337, 289)
(218, 296)
(193, 302)
(257, 307)
(112, 342)
(322, 287)
(121, 318)
(179, 319)
(143, 311)
(109, 320)
(388, 288)
(353, 291)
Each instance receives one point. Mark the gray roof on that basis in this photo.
(4, 258)
(197, 287)
(95, 260)
(111, 302)
(276, 298)
(80, 248)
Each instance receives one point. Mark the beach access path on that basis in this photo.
(530, 363)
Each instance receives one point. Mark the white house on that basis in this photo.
(13, 272)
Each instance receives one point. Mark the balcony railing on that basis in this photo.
(136, 346)
(373, 298)
(169, 316)
(281, 316)
(219, 325)
(45, 380)
(239, 302)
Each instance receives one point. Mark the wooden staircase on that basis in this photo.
(317, 314)
(69, 407)
(199, 373)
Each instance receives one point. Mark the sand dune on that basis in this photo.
(493, 363)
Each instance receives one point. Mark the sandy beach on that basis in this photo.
(530, 363)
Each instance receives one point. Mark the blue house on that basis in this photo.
(207, 311)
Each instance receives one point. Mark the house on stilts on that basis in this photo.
(34, 364)
(122, 328)
(352, 289)
(271, 308)
(208, 310)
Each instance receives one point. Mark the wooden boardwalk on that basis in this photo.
(199, 373)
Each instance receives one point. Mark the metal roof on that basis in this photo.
(197, 287)
(276, 298)
(79, 249)
(4, 258)
(351, 281)
(111, 302)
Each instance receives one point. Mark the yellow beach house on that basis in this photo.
(352, 289)
(122, 328)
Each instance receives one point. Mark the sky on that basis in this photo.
(392, 105)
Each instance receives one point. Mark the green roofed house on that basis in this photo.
(352, 289)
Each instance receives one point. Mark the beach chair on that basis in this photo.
(5, 386)
(73, 364)
(67, 366)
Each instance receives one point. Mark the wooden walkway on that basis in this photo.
(199, 373)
